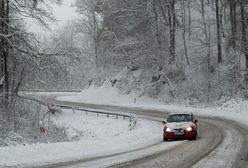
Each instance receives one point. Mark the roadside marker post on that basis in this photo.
(42, 133)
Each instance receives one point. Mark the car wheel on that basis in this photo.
(165, 139)
(195, 135)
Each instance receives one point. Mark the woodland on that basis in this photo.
(193, 51)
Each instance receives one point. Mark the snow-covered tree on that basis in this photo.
(19, 49)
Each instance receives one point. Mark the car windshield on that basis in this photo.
(179, 118)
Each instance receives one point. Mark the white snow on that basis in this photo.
(224, 155)
(44, 94)
(106, 95)
(95, 136)
(235, 109)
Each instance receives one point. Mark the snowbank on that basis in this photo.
(91, 136)
(106, 95)
(235, 109)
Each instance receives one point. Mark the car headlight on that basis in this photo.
(168, 130)
(189, 129)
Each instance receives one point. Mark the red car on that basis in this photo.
(180, 126)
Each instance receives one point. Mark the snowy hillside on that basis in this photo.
(235, 109)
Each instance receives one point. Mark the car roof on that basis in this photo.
(189, 113)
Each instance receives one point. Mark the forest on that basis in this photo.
(193, 51)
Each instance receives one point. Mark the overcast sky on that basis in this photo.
(62, 13)
(65, 11)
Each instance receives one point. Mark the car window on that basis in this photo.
(179, 118)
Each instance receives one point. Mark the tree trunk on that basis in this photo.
(6, 52)
(233, 22)
(184, 30)
(244, 34)
(221, 18)
(158, 36)
(172, 23)
(218, 31)
(203, 18)
(209, 64)
(95, 34)
(189, 13)
(4, 46)
(163, 11)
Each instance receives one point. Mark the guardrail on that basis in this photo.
(132, 117)
(108, 114)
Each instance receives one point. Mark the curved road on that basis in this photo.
(221, 143)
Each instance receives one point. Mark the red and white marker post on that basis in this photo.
(42, 133)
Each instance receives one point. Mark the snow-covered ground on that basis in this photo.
(51, 94)
(106, 95)
(91, 136)
(236, 109)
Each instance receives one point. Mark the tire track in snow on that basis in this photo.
(182, 156)
(227, 146)
(225, 154)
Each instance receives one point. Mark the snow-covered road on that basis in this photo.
(221, 142)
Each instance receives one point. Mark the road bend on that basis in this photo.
(221, 143)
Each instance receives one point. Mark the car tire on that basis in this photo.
(195, 135)
(165, 139)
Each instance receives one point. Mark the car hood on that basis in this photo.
(178, 125)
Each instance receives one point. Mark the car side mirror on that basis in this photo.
(164, 122)
(195, 121)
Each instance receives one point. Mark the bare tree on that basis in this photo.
(89, 9)
(15, 40)
(184, 30)
(218, 31)
(233, 18)
(157, 31)
(172, 24)
(244, 33)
